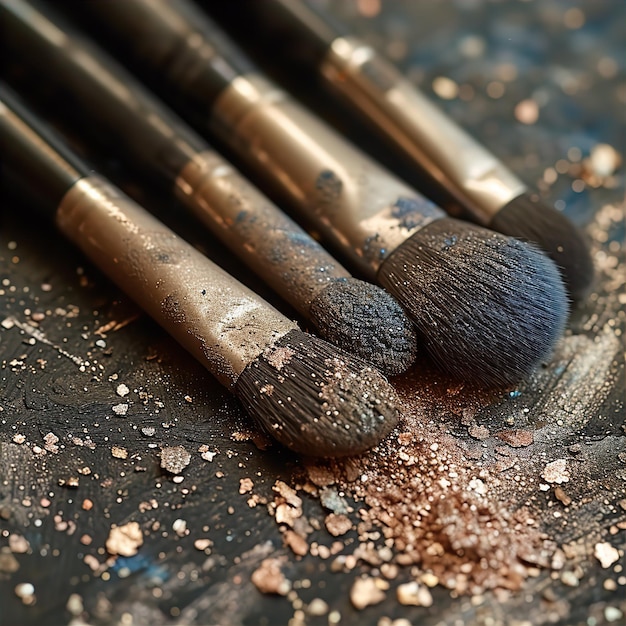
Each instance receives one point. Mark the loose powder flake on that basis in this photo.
(124, 540)
(175, 459)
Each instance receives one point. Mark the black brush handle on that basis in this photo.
(297, 28)
(80, 82)
(162, 36)
(33, 157)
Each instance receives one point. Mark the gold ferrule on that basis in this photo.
(221, 322)
(474, 176)
(268, 241)
(352, 201)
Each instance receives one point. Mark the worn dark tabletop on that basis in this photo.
(92, 392)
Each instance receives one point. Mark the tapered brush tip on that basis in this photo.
(536, 222)
(489, 308)
(364, 320)
(316, 399)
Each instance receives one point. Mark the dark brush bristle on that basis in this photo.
(488, 307)
(536, 222)
(365, 320)
(317, 399)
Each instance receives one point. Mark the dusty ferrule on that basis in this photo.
(291, 262)
(353, 202)
(222, 323)
(431, 139)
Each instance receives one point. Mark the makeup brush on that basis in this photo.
(459, 167)
(112, 108)
(487, 307)
(309, 395)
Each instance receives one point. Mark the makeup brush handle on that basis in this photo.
(89, 89)
(33, 161)
(164, 33)
(223, 324)
(296, 26)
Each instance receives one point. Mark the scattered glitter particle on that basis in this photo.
(124, 540)
(556, 472)
(269, 578)
(367, 591)
(175, 459)
(606, 554)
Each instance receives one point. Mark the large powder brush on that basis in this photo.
(309, 395)
(488, 307)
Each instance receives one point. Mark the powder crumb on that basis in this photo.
(26, 593)
(124, 540)
(279, 357)
(367, 591)
(606, 554)
(175, 459)
(120, 409)
(122, 390)
(18, 544)
(202, 544)
(317, 607)
(50, 441)
(562, 497)
(337, 525)
(516, 438)
(119, 453)
(287, 514)
(479, 432)
(296, 542)
(19, 439)
(245, 485)
(414, 594)
(288, 493)
(556, 472)
(269, 578)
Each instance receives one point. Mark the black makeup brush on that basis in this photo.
(117, 113)
(454, 163)
(312, 397)
(488, 307)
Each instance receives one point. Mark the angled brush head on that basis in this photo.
(364, 320)
(489, 308)
(536, 222)
(317, 399)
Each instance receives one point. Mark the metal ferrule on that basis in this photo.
(474, 176)
(272, 244)
(222, 323)
(355, 204)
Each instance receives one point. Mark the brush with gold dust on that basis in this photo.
(311, 396)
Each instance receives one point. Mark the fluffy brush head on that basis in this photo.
(317, 399)
(539, 223)
(366, 321)
(488, 307)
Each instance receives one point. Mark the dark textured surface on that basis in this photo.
(365, 320)
(58, 375)
(488, 308)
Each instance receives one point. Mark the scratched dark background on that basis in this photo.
(564, 60)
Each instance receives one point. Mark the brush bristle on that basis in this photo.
(488, 307)
(366, 321)
(316, 399)
(536, 222)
